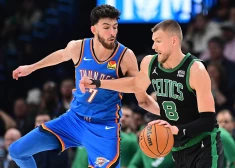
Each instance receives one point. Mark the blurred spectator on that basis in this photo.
(228, 37)
(138, 118)
(7, 120)
(24, 18)
(186, 46)
(51, 158)
(226, 121)
(41, 118)
(222, 95)
(50, 100)
(34, 98)
(232, 15)
(229, 148)
(141, 160)
(220, 12)
(216, 49)
(22, 116)
(81, 158)
(10, 136)
(129, 143)
(67, 85)
(199, 32)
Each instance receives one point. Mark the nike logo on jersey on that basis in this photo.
(184, 130)
(86, 59)
(107, 128)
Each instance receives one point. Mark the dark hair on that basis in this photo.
(222, 73)
(218, 41)
(104, 11)
(42, 113)
(170, 26)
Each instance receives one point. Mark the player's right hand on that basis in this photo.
(84, 83)
(22, 71)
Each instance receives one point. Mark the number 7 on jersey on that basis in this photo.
(92, 96)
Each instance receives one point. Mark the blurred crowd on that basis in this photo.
(30, 30)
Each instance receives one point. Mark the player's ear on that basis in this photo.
(93, 29)
(174, 40)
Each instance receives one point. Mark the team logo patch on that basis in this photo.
(100, 161)
(112, 65)
(181, 73)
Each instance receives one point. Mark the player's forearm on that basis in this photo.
(206, 123)
(150, 105)
(125, 85)
(52, 59)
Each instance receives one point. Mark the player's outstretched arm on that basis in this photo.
(54, 58)
(144, 100)
(136, 84)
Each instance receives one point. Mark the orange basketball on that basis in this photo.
(156, 141)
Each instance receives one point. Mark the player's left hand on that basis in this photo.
(84, 83)
(173, 129)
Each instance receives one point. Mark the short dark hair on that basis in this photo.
(104, 11)
(218, 41)
(170, 26)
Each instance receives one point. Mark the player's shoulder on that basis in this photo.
(129, 56)
(148, 58)
(198, 67)
(75, 43)
(129, 52)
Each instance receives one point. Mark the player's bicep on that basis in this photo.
(128, 69)
(201, 83)
(72, 51)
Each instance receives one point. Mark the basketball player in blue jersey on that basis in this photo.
(93, 118)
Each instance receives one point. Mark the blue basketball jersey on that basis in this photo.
(97, 103)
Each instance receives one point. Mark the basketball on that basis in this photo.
(156, 141)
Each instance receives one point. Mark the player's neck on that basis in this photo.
(101, 52)
(174, 59)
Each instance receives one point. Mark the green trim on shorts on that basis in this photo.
(214, 152)
(196, 140)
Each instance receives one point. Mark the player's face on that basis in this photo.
(162, 45)
(40, 119)
(126, 119)
(225, 121)
(216, 51)
(9, 138)
(106, 31)
(213, 72)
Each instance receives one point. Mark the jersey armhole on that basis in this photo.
(150, 64)
(81, 54)
(119, 69)
(188, 75)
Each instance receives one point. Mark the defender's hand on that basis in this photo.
(85, 82)
(173, 129)
(22, 71)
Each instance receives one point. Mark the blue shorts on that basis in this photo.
(100, 138)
